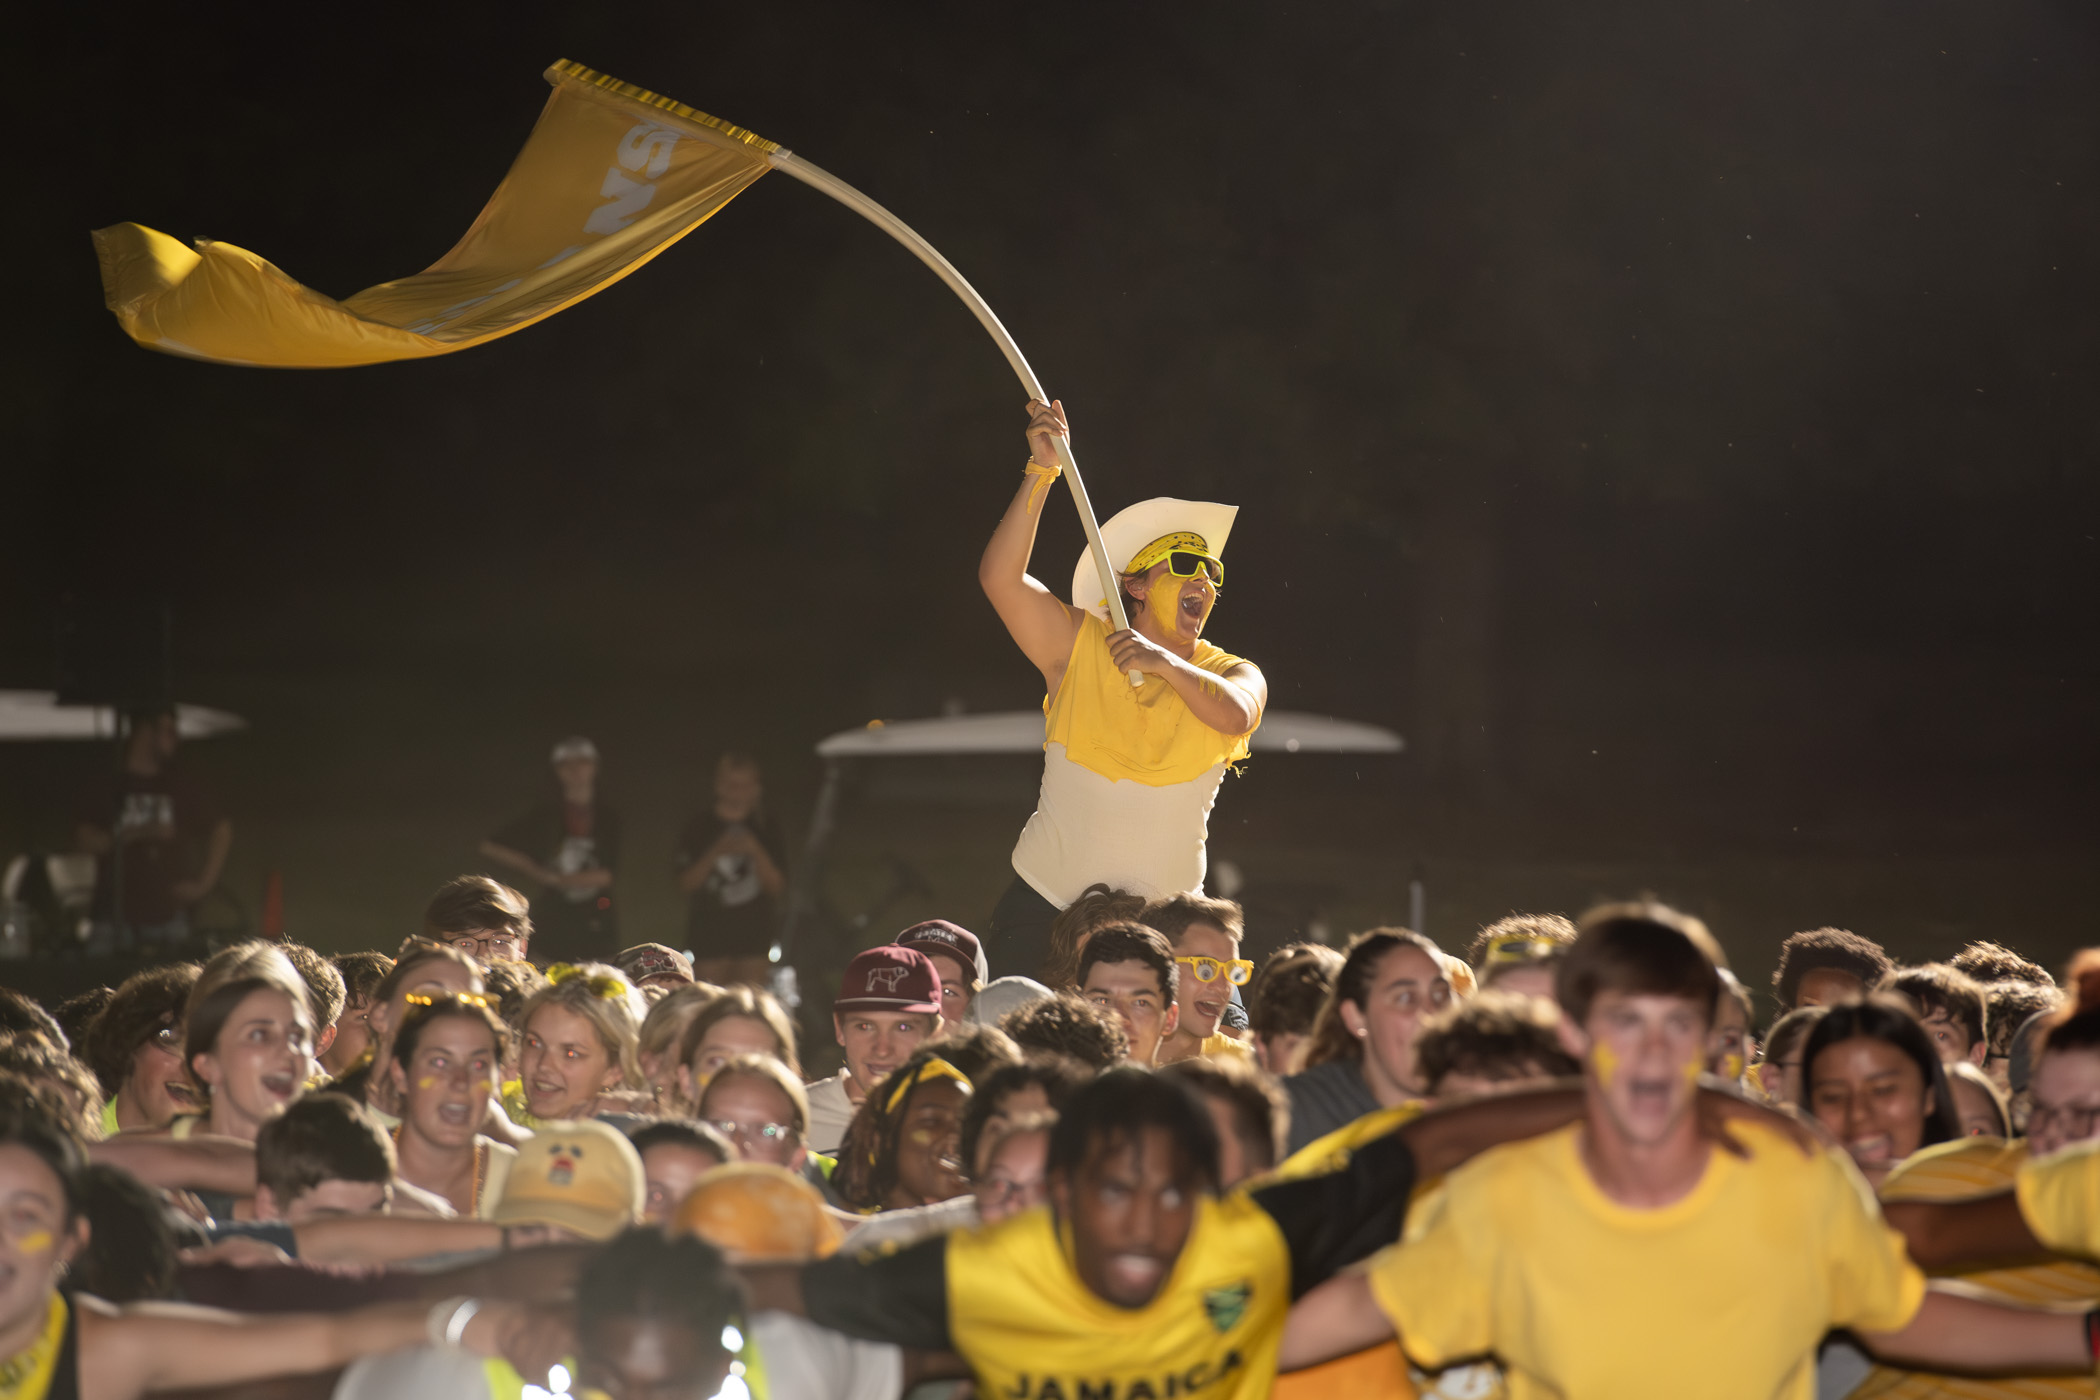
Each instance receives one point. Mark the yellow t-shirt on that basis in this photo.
(2060, 1199)
(1224, 1046)
(1029, 1328)
(1144, 735)
(1959, 1170)
(1722, 1294)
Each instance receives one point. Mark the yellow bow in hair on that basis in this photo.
(602, 985)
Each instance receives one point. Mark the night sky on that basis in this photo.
(1675, 418)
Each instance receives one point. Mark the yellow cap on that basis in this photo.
(584, 1177)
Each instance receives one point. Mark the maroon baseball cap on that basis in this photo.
(890, 978)
(940, 936)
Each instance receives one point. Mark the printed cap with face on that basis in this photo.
(890, 978)
(953, 940)
(575, 746)
(646, 960)
(757, 1213)
(584, 1177)
(1132, 528)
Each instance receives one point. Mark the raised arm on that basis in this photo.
(1041, 624)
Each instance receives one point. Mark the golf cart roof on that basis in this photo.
(1021, 731)
(36, 714)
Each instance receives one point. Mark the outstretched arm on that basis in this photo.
(1040, 624)
(1338, 1318)
(1955, 1332)
(1968, 1234)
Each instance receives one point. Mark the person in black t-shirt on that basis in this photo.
(569, 848)
(146, 824)
(729, 866)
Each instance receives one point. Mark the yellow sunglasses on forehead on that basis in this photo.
(1186, 553)
(1238, 971)
(1518, 948)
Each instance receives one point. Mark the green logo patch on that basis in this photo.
(1226, 1306)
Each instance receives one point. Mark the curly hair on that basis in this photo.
(1058, 1076)
(145, 1004)
(62, 1084)
(1994, 962)
(1496, 1036)
(1288, 991)
(867, 1159)
(1097, 907)
(1840, 950)
(977, 1050)
(1069, 1025)
(326, 992)
(647, 1275)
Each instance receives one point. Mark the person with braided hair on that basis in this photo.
(900, 1149)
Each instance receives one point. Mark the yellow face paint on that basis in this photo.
(35, 1242)
(1693, 1068)
(1605, 1061)
(426, 1081)
(1733, 1064)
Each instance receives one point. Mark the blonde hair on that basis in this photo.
(663, 1029)
(603, 996)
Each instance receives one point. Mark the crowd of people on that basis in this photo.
(511, 1158)
(1561, 1162)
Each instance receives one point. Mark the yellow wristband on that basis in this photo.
(1043, 477)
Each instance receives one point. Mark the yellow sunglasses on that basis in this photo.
(1517, 948)
(1239, 972)
(1186, 554)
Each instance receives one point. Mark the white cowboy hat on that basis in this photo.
(1134, 527)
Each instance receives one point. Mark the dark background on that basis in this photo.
(1675, 418)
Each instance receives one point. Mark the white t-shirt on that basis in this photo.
(830, 1110)
(803, 1361)
(1129, 835)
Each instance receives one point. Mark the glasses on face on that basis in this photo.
(752, 1132)
(1238, 971)
(1186, 563)
(997, 1191)
(2076, 1121)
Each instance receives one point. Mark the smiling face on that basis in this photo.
(1406, 989)
(926, 1144)
(1642, 1054)
(1873, 1098)
(876, 1042)
(1132, 990)
(445, 1089)
(563, 1064)
(36, 1239)
(1131, 1205)
(258, 1064)
(1203, 1003)
(156, 1089)
(1174, 609)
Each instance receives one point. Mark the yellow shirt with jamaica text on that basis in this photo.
(1723, 1294)
(1009, 1300)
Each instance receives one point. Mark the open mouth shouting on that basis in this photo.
(457, 1114)
(282, 1085)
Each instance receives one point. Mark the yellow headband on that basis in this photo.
(486, 1003)
(1166, 544)
(935, 1068)
(602, 986)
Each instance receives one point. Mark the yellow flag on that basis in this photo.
(610, 177)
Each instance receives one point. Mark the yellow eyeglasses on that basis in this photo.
(1518, 948)
(1239, 972)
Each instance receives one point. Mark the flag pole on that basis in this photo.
(788, 163)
